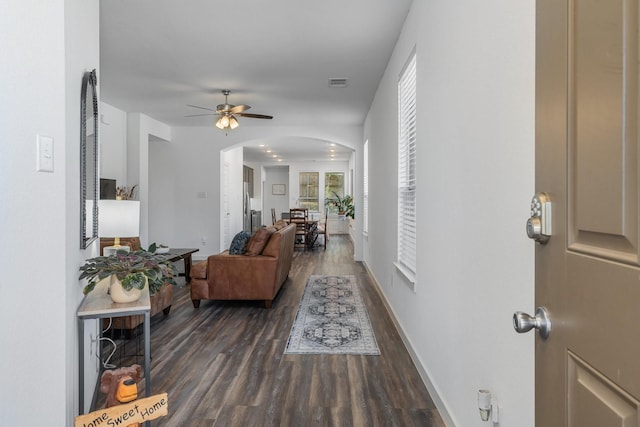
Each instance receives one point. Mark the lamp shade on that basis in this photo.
(118, 218)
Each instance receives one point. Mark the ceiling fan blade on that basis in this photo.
(202, 108)
(255, 116)
(239, 108)
(200, 115)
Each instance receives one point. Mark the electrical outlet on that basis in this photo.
(204, 240)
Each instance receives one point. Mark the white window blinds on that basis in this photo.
(365, 190)
(407, 167)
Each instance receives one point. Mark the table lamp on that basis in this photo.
(118, 218)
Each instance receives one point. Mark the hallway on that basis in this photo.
(223, 364)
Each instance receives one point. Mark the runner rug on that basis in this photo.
(332, 319)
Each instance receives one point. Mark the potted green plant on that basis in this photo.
(344, 205)
(130, 270)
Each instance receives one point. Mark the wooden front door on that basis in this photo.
(587, 275)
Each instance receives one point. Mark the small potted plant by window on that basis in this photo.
(128, 273)
(344, 205)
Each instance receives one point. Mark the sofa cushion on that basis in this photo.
(259, 240)
(239, 243)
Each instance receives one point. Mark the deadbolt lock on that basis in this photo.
(539, 224)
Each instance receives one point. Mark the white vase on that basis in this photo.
(119, 294)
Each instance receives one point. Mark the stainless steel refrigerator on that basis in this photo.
(246, 208)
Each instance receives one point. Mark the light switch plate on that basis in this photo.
(45, 154)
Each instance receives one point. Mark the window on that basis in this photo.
(309, 191)
(365, 189)
(407, 169)
(333, 185)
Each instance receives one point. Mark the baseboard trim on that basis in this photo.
(424, 375)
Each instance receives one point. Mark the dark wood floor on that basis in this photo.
(223, 364)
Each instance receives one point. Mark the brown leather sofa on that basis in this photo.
(257, 275)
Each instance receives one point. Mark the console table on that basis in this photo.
(98, 305)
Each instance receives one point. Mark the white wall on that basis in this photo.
(46, 48)
(82, 33)
(275, 175)
(233, 157)
(162, 195)
(475, 178)
(113, 144)
(141, 131)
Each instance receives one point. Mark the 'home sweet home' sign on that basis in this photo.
(138, 411)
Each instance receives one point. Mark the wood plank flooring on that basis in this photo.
(223, 364)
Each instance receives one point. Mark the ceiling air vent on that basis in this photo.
(337, 82)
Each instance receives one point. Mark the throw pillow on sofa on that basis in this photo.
(259, 240)
(239, 243)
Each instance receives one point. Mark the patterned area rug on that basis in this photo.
(332, 319)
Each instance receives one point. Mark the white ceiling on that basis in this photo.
(277, 56)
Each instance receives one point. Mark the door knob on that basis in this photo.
(523, 322)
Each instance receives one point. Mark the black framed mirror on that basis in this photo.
(89, 180)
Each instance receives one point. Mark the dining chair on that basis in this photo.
(299, 217)
(322, 229)
(273, 216)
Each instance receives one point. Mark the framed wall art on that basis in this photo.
(279, 189)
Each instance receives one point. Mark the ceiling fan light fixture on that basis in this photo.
(227, 113)
(224, 122)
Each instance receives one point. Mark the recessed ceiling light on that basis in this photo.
(274, 156)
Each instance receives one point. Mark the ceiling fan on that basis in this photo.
(228, 113)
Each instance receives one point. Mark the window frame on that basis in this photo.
(365, 188)
(407, 215)
(305, 199)
(328, 191)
